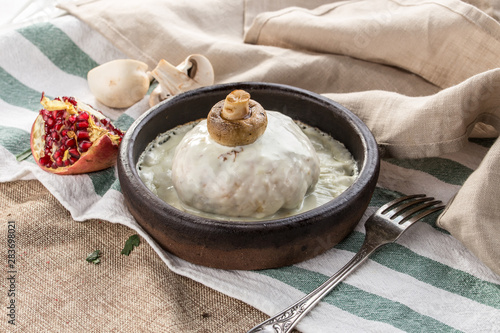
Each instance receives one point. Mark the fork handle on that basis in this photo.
(286, 320)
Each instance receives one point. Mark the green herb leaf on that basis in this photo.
(94, 257)
(131, 242)
(24, 155)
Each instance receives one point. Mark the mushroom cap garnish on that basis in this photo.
(236, 105)
(194, 72)
(236, 120)
(119, 83)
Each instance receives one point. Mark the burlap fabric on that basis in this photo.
(57, 290)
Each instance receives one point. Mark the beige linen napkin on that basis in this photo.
(444, 42)
(421, 74)
(473, 215)
(441, 123)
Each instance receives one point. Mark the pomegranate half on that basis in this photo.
(71, 137)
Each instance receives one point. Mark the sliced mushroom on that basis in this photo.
(194, 72)
(119, 83)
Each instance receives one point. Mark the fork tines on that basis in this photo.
(405, 209)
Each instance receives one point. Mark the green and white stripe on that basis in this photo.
(426, 282)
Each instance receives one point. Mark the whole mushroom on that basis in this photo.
(119, 83)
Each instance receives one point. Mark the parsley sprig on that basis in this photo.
(94, 257)
(131, 242)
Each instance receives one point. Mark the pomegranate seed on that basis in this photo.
(73, 159)
(58, 125)
(70, 100)
(49, 122)
(104, 121)
(74, 152)
(57, 154)
(71, 142)
(57, 113)
(55, 136)
(82, 124)
(59, 162)
(82, 135)
(82, 116)
(71, 120)
(45, 160)
(64, 132)
(85, 145)
(66, 163)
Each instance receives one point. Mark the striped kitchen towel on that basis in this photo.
(426, 282)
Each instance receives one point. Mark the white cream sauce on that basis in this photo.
(337, 169)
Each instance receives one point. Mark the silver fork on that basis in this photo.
(383, 227)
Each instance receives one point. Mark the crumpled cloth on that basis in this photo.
(424, 77)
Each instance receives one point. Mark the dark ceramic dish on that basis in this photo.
(256, 245)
